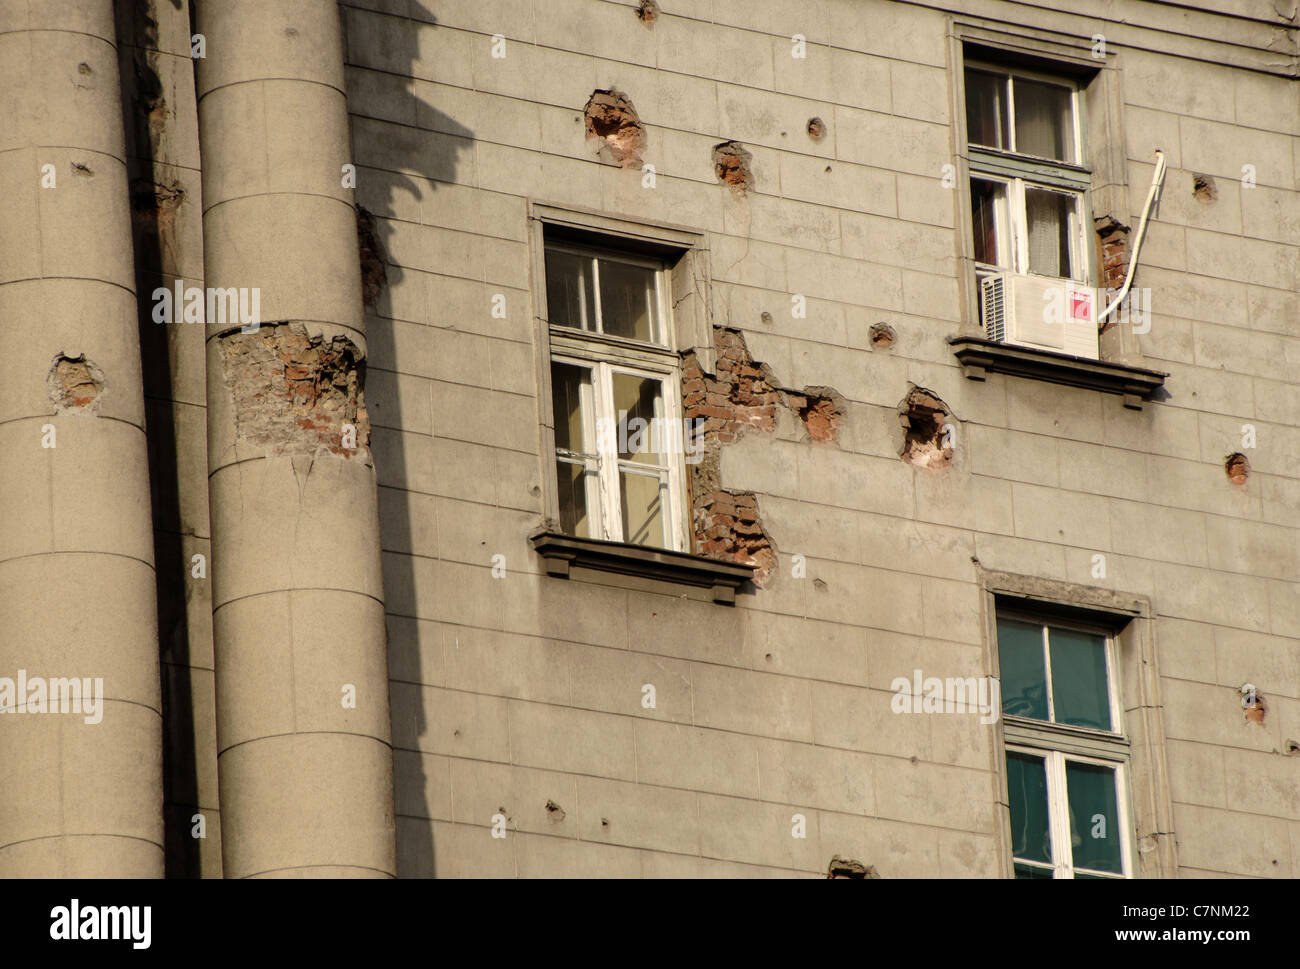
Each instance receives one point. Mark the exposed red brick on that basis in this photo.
(1113, 257)
(731, 165)
(923, 416)
(75, 384)
(740, 396)
(294, 393)
(1237, 468)
(611, 117)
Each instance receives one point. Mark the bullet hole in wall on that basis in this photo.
(647, 11)
(816, 129)
(554, 812)
(766, 318)
(819, 410)
(731, 165)
(75, 384)
(1204, 188)
(926, 421)
(1253, 704)
(611, 117)
(1237, 468)
(848, 868)
(882, 336)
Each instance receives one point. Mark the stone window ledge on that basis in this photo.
(980, 357)
(562, 551)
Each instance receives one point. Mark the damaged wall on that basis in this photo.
(741, 396)
(294, 393)
(831, 248)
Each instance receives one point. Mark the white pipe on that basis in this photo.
(1157, 182)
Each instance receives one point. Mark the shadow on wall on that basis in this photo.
(434, 160)
(155, 199)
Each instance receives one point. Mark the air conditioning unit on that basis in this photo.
(1040, 312)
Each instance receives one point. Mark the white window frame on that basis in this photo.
(1058, 812)
(596, 254)
(1011, 73)
(1020, 171)
(1058, 743)
(606, 355)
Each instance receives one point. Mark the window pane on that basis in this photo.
(636, 403)
(986, 111)
(1080, 695)
(1094, 817)
(1044, 123)
(570, 294)
(643, 510)
(1024, 678)
(1027, 791)
(986, 197)
(576, 480)
(1048, 214)
(567, 386)
(575, 483)
(627, 300)
(1032, 871)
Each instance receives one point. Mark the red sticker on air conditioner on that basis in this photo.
(1081, 304)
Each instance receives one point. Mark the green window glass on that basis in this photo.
(1094, 817)
(1024, 675)
(1080, 681)
(1030, 829)
(1080, 691)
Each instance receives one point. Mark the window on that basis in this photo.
(1043, 156)
(1028, 182)
(1066, 755)
(616, 395)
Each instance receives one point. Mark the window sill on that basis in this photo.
(980, 357)
(562, 551)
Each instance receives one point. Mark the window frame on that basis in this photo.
(1020, 172)
(1014, 158)
(1112, 675)
(662, 321)
(1120, 367)
(1058, 743)
(606, 355)
(606, 487)
(1058, 811)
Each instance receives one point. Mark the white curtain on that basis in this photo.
(1047, 214)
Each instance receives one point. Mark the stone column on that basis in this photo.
(305, 758)
(82, 792)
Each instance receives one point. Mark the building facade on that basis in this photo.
(686, 438)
